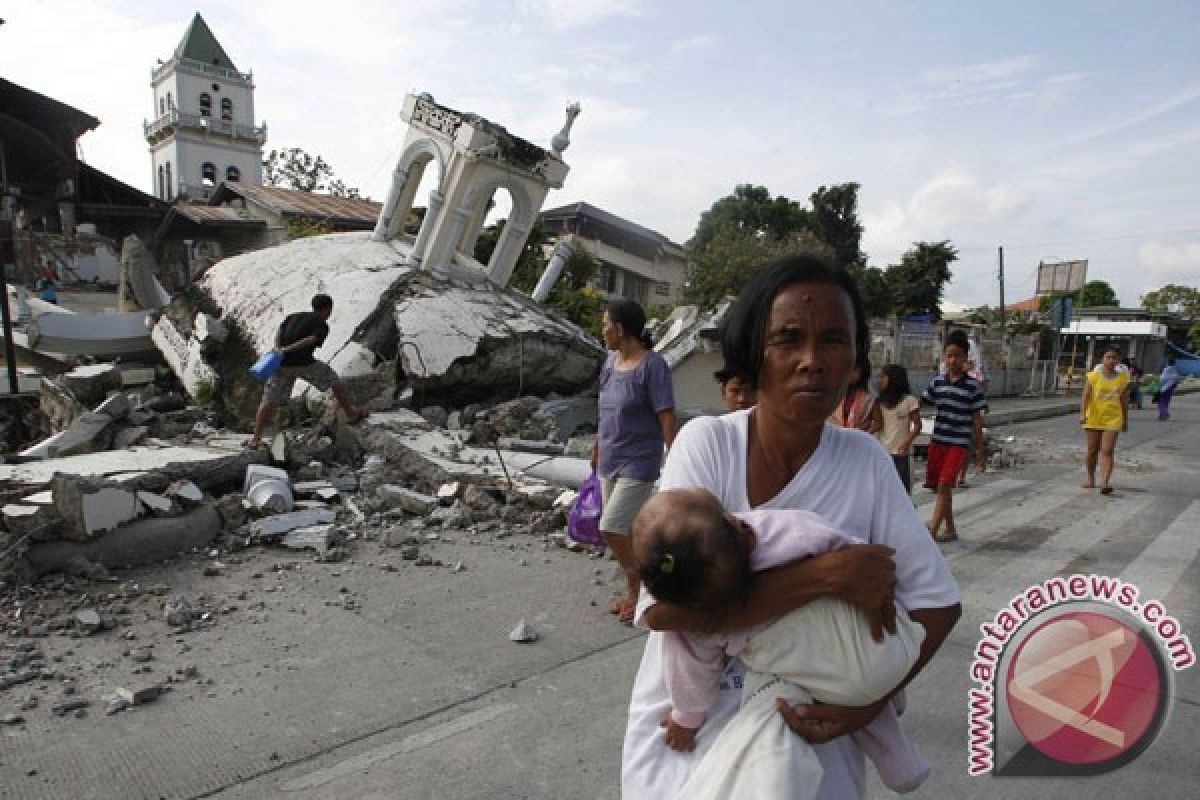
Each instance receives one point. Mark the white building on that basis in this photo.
(203, 132)
(634, 262)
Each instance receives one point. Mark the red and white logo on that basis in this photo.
(1084, 688)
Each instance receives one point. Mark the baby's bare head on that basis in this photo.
(689, 552)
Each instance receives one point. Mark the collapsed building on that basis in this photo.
(454, 363)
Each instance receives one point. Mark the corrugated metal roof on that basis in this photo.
(293, 202)
(217, 214)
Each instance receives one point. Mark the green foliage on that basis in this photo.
(584, 307)
(749, 228)
(876, 293)
(205, 394)
(751, 211)
(1186, 299)
(916, 283)
(530, 263)
(834, 220)
(293, 168)
(732, 257)
(1098, 293)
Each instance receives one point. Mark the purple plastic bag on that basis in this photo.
(583, 520)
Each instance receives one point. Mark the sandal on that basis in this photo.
(1106, 490)
(948, 536)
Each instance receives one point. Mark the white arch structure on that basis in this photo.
(475, 158)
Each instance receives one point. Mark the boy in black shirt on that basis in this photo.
(298, 336)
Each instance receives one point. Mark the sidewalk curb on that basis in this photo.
(1058, 409)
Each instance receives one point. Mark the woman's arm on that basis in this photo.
(1083, 402)
(874, 419)
(669, 424)
(1125, 407)
(863, 575)
(915, 425)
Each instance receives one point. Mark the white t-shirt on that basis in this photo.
(851, 481)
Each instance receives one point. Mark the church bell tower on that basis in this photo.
(203, 130)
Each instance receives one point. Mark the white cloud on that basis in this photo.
(951, 202)
(1161, 264)
(564, 14)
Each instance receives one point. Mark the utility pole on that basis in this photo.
(1003, 324)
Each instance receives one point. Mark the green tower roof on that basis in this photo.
(199, 44)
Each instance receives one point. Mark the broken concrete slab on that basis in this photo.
(447, 492)
(311, 537)
(411, 501)
(186, 492)
(128, 437)
(89, 507)
(139, 694)
(91, 383)
(88, 620)
(91, 432)
(280, 524)
(156, 504)
(144, 541)
(310, 488)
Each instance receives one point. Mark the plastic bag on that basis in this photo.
(267, 366)
(583, 520)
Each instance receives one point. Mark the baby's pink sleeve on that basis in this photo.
(692, 665)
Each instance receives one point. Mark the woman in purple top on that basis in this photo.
(637, 417)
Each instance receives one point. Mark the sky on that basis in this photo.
(1060, 131)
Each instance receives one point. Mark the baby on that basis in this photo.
(692, 554)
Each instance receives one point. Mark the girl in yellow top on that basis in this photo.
(1104, 414)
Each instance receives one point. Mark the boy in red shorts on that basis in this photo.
(960, 402)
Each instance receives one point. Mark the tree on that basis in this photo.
(834, 220)
(750, 210)
(1173, 297)
(916, 283)
(876, 291)
(1098, 293)
(733, 255)
(293, 168)
(744, 230)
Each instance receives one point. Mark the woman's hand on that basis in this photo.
(678, 737)
(819, 723)
(864, 575)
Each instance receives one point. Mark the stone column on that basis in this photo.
(508, 249)
(563, 251)
(432, 212)
(440, 260)
(399, 177)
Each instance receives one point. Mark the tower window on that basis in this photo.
(170, 193)
(233, 174)
(170, 101)
(226, 109)
(162, 184)
(208, 174)
(162, 106)
(206, 105)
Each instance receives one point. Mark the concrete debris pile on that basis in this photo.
(450, 342)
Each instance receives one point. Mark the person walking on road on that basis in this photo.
(636, 418)
(1167, 382)
(900, 417)
(298, 336)
(1104, 413)
(1135, 383)
(960, 403)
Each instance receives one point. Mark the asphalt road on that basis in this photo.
(416, 692)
